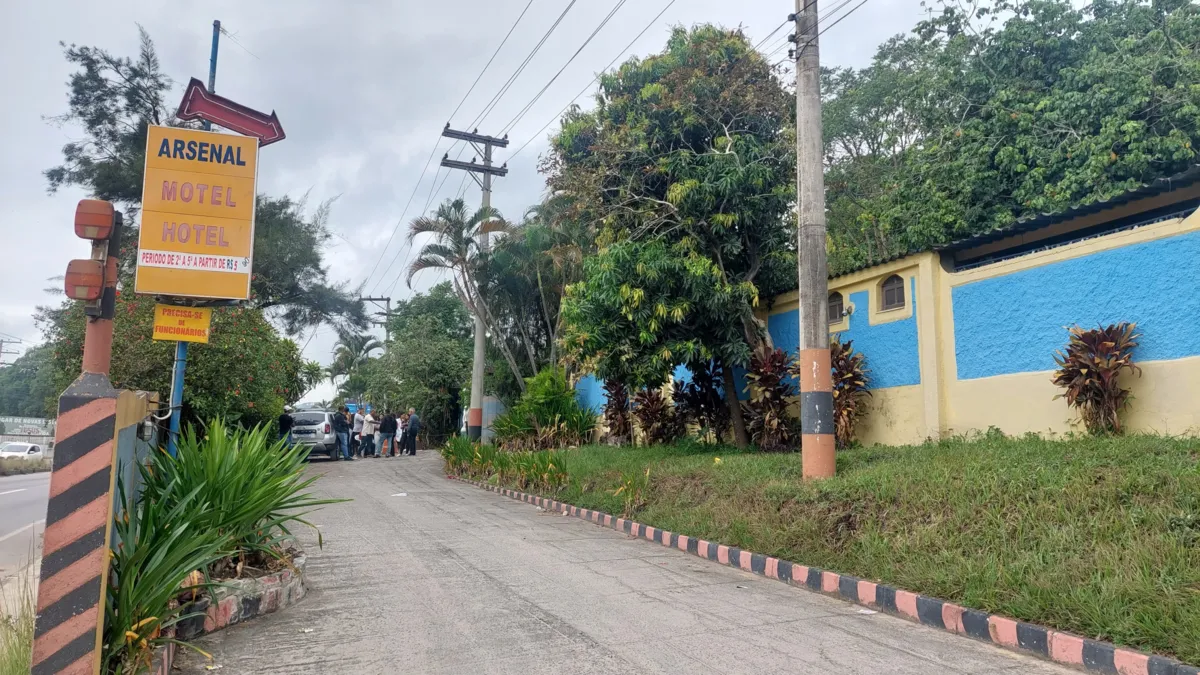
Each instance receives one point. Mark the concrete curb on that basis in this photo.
(1071, 650)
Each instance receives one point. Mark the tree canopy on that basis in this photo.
(977, 118)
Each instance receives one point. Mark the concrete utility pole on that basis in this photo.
(3, 341)
(483, 145)
(387, 317)
(816, 390)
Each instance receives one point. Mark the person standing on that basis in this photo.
(387, 435)
(366, 441)
(341, 430)
(414, 428)
(356, 432)
(402, 435)
(286, 421)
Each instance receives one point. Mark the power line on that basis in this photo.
(595, 79)
(487, 109)
(433, 151)
(489, 63)
(407, 204)
(508, 127)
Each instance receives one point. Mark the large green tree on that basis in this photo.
(987, 114)
(27, 385)
(113, 100)
(646, 307)
(694, 143)
(428, 360)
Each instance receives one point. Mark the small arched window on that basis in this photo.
(893, 293)
(836, 307)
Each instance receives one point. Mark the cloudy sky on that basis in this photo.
(363, 88)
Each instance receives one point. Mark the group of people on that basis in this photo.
(362, 435)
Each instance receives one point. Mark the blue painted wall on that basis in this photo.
(1013, 323)
(891, 348)
(589, 391)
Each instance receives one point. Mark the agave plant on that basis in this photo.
(772, 428)
(850, 392)
(158, 545)
(1089, 373)
(255, 488)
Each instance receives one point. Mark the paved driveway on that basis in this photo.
(420, 574)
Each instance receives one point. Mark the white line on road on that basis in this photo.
(14, 533)
(9, 492)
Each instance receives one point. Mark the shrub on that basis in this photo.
(616, 412)
(157, 546)
(700, 401)
(1089, 373)
(458, 454)
(14, 466)
(548, 415)
(656, 417)
(849, 389)
(772, 428)
(253, 489)
(542, 471)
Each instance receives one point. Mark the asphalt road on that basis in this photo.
(22, 514)
(420, 574)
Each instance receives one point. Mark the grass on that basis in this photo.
(1096, 536)
(15, 467)
(16, 626)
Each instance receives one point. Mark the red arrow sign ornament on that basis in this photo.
(199, 103)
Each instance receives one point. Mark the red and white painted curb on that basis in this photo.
(1072, 650)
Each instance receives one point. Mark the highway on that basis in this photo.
(22, 516)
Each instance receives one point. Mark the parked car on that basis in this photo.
(314, 428)
(16, 450)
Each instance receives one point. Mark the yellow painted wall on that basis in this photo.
(1166, 397)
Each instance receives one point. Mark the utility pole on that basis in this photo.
(181, 347)
(3, 341)
(387, 317)
(483, 145)
(819, 454)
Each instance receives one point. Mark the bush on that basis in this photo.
(616, 412)
(1090, 370)
(157, 546)
(771, 427)
(656, 417)
(700, 402)
(539, 471)
(849, 389)
(13, 466)
(548, 415)
(253, 489)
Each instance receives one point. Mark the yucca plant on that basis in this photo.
(850, 391)
(1089, 373)
(255, 488)
(158, 545)
(616, 412)
(656, 417)
(772, 428)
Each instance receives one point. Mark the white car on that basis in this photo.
(14, 450)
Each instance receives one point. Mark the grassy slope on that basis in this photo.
(1100, 537)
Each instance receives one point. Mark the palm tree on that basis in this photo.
(350, 353)
(311, 374)
(455, 247)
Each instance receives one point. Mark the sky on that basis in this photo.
(363, 89)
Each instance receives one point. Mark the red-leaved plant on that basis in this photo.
(849, 389)
(616, 413)
(1089, 374)
(656, 417)
(772, 427)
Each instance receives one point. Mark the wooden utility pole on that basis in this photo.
(816, 389)
(483, 145)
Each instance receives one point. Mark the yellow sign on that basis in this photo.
(182, 324)
(197, 234)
